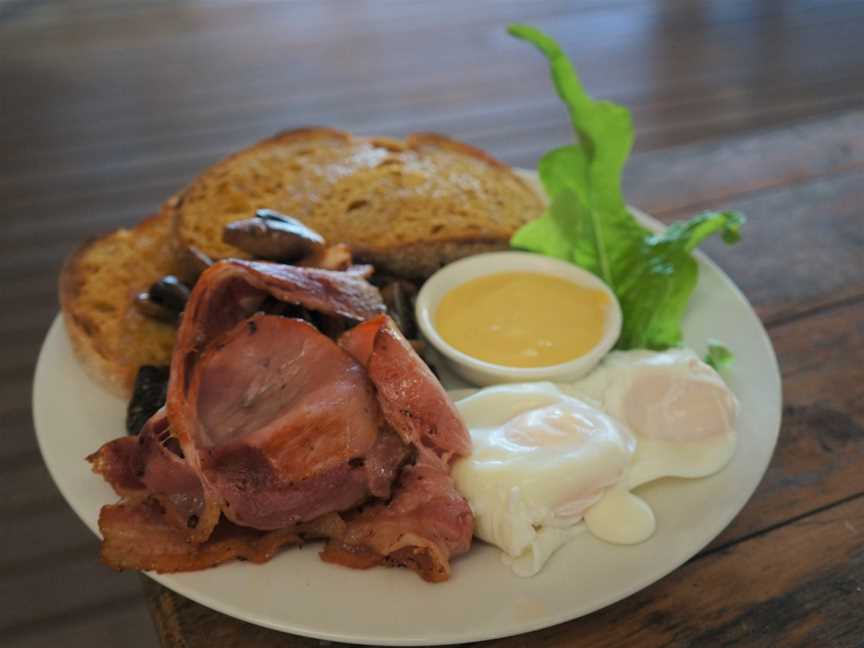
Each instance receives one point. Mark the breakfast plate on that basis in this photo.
(298, 593)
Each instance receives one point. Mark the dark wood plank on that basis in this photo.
(34, 544)
(60, 592)
(821, 446)
(26, 497)
(802, 247)
(699, 176)
(130, 622)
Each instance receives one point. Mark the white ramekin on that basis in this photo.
(481, 265)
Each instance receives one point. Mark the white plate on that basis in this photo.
(298, 593)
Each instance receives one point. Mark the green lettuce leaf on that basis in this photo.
(718, 356)
(588, 222)
(659, 276)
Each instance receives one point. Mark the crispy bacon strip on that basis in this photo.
(118, 463)
(137, 535)
(422, 528)
(146, 466)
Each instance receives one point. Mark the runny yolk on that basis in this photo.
(522, 319)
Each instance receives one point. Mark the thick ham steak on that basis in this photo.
(280, 420)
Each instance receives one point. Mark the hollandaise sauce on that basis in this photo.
(523, 319)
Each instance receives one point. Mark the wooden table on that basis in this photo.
(108, 107)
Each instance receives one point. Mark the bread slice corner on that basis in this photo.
(97, 287)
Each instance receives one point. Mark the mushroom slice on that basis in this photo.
(273, 236)
(164, 300)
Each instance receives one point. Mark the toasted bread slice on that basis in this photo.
(407, 207)
(98, 284)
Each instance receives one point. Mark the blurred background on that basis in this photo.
(108, 107)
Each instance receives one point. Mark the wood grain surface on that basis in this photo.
(107, 107)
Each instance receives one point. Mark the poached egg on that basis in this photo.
(547, 457)
(541, 458)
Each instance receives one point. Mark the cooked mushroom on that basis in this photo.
(148, 395)
(164, 300)
(398, 296)
(273, 236)
(171, 292)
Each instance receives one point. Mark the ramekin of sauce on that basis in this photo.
(517, 317)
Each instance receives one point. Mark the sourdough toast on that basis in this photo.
(408, 207)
